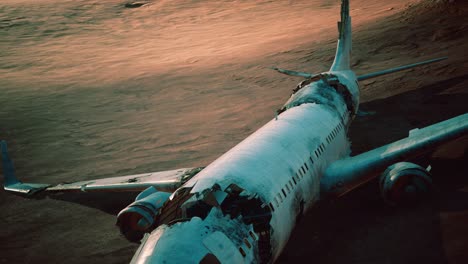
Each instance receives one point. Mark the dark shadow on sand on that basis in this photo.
(111, 203)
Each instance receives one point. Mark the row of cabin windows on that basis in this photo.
(344, 115)
(247, 243)
(334, 133)
(303, 170)
(288, 187)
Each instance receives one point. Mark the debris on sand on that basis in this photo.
(136, 4)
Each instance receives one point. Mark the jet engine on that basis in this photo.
(405, 182)
(139, 217)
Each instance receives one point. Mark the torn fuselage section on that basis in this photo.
(142, 215)
(324, 89)
(217, 238)
(233, 202)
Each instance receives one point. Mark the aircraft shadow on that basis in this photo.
(110, 203)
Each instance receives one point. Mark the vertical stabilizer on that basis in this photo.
(343, 51)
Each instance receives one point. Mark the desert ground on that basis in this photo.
(93, 89)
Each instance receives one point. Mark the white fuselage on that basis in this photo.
(282, 162)
(260, 186)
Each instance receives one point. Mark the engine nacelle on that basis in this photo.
(139, 217)
(405, 182)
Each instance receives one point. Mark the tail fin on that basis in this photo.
(343, 51)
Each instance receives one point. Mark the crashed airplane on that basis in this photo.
(242, 207)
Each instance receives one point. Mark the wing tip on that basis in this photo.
(11, 183)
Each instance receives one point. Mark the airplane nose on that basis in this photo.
(215, 239)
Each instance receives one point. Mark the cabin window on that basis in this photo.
(209, 259)
(252, 235)
(294, 180)
(241, 250)
(271, 207)
(283, 192)
(305, 164)
(291, 184)
(247, 243)
(311, 160)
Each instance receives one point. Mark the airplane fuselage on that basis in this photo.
(243, 207)
(272, 177)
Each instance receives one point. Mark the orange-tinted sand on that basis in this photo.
(93, 89)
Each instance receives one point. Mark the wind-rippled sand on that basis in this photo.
(94, 89)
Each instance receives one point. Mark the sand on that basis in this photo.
(93, 89)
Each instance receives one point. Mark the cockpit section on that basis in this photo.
(215, 239)
(234, 202)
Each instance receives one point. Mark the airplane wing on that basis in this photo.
(346, 174)
(166, 181)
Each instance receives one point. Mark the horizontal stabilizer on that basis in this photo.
(397, 69)
(293, 73)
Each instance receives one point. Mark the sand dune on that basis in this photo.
(94, 89)
(95, 42)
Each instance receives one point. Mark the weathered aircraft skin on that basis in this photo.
(243, 206)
